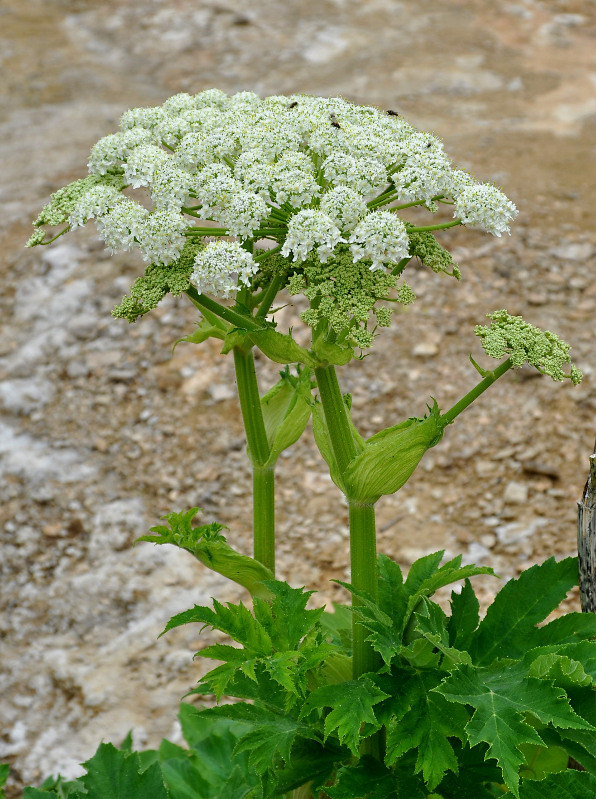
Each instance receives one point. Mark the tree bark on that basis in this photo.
(586, 540)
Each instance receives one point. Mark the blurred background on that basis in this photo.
(103, 430)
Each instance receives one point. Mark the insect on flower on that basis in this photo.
(335, 121)
(392, 113)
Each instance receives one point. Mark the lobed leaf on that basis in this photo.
(518, 607)
(352, 705)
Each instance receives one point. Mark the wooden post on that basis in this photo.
(586, 540)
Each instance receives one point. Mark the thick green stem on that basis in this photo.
(264, 515)
(468, 399)
(363, 554)
(258, 450)
(444, 226)
(363, 567)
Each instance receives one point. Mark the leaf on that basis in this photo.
(431, 622)
(271, 735)
(502, 699)
(352, 705)
(464, 616)
(567, 785)
(416, 720)
(205, 329)
(212, 741)
(235, 620)
(518, 607)
(114, 774)
(210, 547)
(425, 581)
(393, 596)
(309, 762)
(559, 669)
(287, 615)
(542, 760)
(367, 779)
(566, 629)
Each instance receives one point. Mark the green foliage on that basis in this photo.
(524, 343)
(4, 772)
(159, 279)
(210, 547)
(465, 709)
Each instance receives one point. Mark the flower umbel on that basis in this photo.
(298, 175)
(524, 343)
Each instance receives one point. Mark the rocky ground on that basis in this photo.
(102, 429)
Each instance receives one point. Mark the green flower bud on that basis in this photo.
(390, 457)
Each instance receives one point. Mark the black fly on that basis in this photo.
(334, 121)
(294, 104)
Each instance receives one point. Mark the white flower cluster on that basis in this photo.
(382, 237)
(221, 266)
(308, 228)
(484, 206)
(303, 171)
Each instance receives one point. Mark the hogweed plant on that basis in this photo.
(232, 200)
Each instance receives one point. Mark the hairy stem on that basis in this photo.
(258, 450)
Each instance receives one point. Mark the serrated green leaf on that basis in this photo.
(429, 579)
(205, 329)
(113, 774)
(464, 616)
(476, 779)
(415, 720)
(309, 762)
(567, 629)
(393, 596)
(286, 618)
(367, 779)
(567, 785)
(502, 698)
(559, 669)
(236, 338)
(431, 622)
(235, 620)
(518, 607)
(352, 705)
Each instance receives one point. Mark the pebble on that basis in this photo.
(515, 493)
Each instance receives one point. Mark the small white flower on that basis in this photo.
(242, 214)
(142, 163)
(308, 228)
(484, 206)
(363, 174)
(382, 237)
(170, 186)
(95, 202)
(110, 151)
(119, 228)
(161, 235)
(344, 206)
(147, 118)
(294, 181)
(220, 266)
